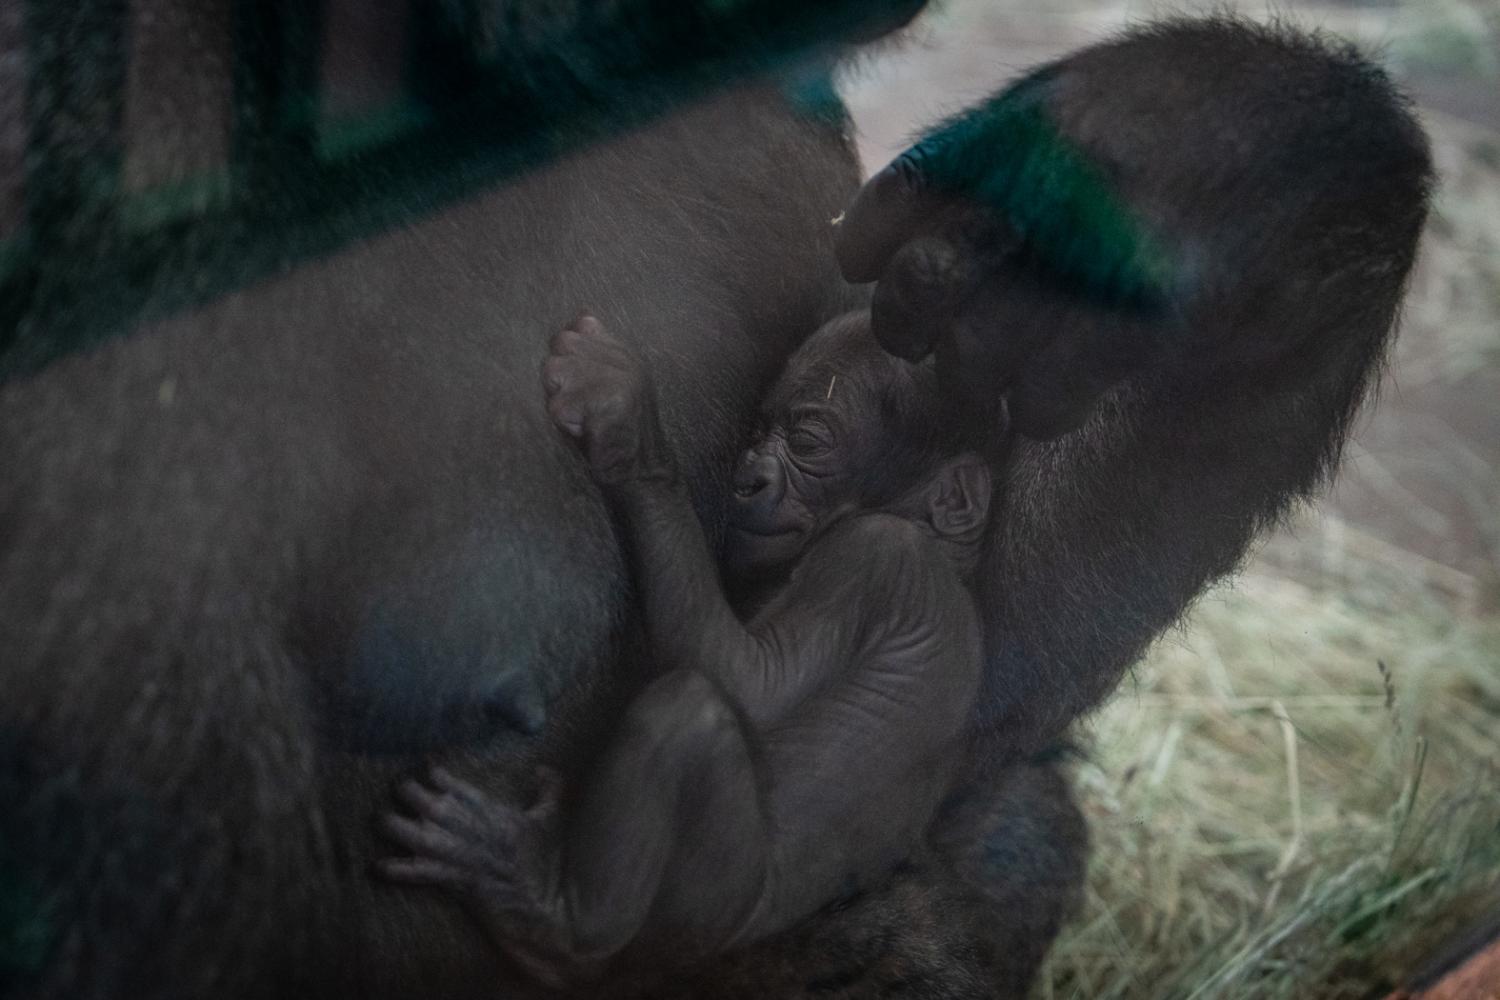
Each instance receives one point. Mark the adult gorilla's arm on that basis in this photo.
(1177, 257)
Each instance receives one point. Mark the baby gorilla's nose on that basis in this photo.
(756, 477)
(747, 484)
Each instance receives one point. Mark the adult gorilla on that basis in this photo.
(263, 553)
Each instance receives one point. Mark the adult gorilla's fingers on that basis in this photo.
(1030, 214)
(894, 206)
(1049, 353)
(989, 340)
(958, 180)
(917, 296)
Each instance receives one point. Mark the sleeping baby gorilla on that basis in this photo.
(780, 760)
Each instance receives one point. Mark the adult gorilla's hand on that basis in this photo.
(1000, 244)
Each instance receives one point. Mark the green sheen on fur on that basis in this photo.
(25, 929)
(1057, 199)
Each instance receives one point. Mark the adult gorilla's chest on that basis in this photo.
(475, 575)
(320, 525)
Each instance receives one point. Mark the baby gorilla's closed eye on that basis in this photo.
(810, 442)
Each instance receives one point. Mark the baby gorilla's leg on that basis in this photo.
(667, 838)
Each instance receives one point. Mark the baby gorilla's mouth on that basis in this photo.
(772, 532)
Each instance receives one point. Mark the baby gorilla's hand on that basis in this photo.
(463, 839)
(598, 392)
(499, 859)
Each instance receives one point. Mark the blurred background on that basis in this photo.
(1298, 794)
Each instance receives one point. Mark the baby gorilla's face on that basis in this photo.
(798, 476)
(819, 453)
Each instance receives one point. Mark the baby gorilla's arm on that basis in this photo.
(599, 393)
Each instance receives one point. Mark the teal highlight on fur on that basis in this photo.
(1008, 154)
(341, 137)
(490, 92)
(26, 929)
(188, 198)
(812, 90)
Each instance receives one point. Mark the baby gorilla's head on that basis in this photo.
(849, 428)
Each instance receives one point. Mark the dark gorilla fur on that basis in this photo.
(1290, 186)
(230, 533)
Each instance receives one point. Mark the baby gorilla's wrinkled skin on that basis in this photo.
(826, 451)
(778, 762)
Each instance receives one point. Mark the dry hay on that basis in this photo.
(1299, 797)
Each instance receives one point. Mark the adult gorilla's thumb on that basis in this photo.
(894, 206)
(917, 297)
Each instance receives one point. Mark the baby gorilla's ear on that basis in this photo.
(958, 497)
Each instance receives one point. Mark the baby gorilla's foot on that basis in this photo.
(599, 392)
(498, 859)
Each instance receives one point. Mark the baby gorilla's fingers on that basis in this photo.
(587, 324)
(441, 777)
(423, 838)
(556, 372)
(422, 871)
(563, 383)
(583, 364)
(447, 810)
(567, 341)
(547, 797)
(567, 412)
(567, 400)
(459, 793)
(583, 333)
